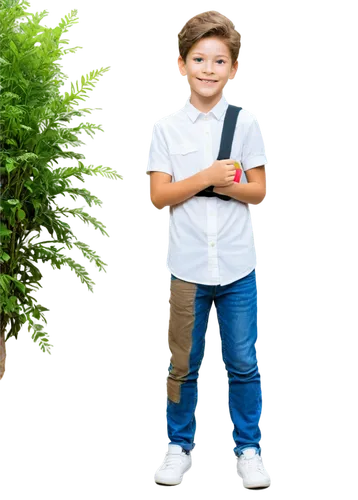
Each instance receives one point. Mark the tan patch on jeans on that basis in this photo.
(181, 324)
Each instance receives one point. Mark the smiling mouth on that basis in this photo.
(207, 81)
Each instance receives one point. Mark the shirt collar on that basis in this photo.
(218, 110)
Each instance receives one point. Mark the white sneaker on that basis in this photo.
(176, 462)
(252, 470)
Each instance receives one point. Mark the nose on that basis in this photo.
(208, 68)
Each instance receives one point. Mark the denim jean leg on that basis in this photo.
(190, 306)
(236, 306)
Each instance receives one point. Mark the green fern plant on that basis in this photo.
(34, 134)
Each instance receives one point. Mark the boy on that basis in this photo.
(211, 248)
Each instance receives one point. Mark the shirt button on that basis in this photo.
(212, 244)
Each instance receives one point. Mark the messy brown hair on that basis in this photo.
(210, 23)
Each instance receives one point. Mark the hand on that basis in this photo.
(221, 173)
(226, 189)
(223, 189)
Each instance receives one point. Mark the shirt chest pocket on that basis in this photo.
(185, 160)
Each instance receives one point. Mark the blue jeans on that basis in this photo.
(236, 306)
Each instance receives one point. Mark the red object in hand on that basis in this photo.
(237, 175)
(238, 172)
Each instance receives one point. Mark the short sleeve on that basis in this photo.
(159, 159)
(253, 151)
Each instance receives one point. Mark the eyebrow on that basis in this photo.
(201, 54)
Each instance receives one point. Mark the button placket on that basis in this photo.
(211, 207)
(207, 142)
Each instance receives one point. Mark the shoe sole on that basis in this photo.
(161, 485)
(172, 483)
(256, 489)
(255, 486)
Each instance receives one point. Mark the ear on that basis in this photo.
(180, 66)
(235, 70)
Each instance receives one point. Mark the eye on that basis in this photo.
(199, 59)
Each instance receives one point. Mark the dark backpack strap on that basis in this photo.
(227, 136)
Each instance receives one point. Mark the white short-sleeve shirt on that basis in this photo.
(210, 240)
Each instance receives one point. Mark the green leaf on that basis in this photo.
(90, 254)
(71, 50)
(11, 142)
(26, 127)
(27, 184)
(83, 275)
(41, 338)
(19, 285)
(65, 24)
(97, 224)
(86, 195)
(27, 156)
(4, 231)
(11, 95)
(89, 127)
(10, 165)
(4, 256)
(105, 172)
(5, 282)
(12, 305)
(36, 203)
(14, 48)
(20, 214)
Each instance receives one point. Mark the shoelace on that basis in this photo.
(255, 461)
(171, 460)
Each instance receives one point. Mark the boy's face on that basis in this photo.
(209, 58)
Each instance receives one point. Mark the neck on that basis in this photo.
(204, 103)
